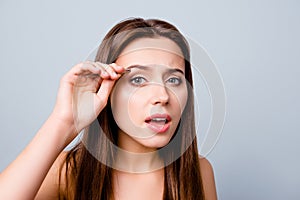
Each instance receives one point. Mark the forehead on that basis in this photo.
(152, 51)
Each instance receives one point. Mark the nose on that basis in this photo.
(160, 95)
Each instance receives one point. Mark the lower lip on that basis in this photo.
(159, 128)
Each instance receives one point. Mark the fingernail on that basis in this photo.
(120, 67)
(104, 73)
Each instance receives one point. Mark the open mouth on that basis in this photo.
(158, 123)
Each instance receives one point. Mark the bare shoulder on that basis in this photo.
(50, 186)
(208, 179)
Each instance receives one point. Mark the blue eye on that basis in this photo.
(138, 80)
(174, 80)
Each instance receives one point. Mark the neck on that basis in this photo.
(137, 162)
(136, 158)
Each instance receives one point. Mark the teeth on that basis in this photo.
(159, 119)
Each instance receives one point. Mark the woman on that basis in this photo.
(137, 112)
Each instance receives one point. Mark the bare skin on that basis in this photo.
(131, 186)
(24, 176)
(34, 173)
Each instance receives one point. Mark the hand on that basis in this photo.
(84, 92)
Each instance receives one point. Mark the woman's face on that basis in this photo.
(147, 102)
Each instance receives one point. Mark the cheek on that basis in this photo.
(137, 105)
(127, 105)
(179, 99)
(130, 106)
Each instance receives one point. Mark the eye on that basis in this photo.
(174, 81)
(138, 80)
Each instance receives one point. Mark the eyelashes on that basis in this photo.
(139, 80)
(175, 80)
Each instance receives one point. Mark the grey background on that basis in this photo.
(255, 45)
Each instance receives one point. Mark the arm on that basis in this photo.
(208, 179)
(24, 176)
(50, 186)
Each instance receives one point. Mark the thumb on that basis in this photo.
(104, 91)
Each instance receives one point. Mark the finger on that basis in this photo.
(104, 91)
(109, 69)
(117, 68)
(86, 67)
(104, 73)
(90, 66)
(105, 88)
(80, 72)
(73, 73)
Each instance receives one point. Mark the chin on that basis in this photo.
(154, 143)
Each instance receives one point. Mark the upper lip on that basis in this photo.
(158, 115)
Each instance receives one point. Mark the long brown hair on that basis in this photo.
(86, 177)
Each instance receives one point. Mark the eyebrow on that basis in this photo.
(147, 68)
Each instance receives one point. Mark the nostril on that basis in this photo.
(160, 95)
(163, 101)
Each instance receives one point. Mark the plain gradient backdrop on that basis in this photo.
(255, 45)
